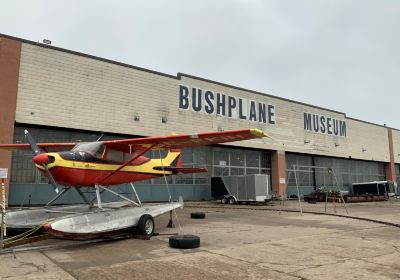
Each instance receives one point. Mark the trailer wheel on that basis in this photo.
(224, 200)
(184, 241)
(231, 200)
(145, 226)
(197, 215)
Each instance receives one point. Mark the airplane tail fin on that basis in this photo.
(177, 152)
(173, 163)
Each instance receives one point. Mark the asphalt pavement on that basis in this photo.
(237, 242)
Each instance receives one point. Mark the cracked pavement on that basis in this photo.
(235, 244)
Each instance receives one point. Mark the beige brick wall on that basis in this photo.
(61, 89)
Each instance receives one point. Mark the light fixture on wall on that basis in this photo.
(337, 145)
(363, 149)
(306, 141)
(164, 119)
(136, 117)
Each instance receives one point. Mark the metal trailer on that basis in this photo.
(85, 222)
(104, 223)
(241, 188)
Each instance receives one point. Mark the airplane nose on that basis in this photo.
(47, 227)
(41, 159)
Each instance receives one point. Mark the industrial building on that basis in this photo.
(65, 96)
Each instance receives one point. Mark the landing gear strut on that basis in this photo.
(170, 223)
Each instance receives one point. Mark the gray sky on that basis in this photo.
(339, 54)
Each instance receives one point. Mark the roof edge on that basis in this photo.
(87, 55)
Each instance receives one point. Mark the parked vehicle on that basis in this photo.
(376, 188)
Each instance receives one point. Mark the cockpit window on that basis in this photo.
(94, 148)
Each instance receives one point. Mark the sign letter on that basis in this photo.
(209, 97)
(307, 121)
(231, 106)
(196, 99)
(183, 97)
(220, 104)
(271, 114)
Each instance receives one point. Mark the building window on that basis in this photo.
(192, 158)
(304, 175)
(228, 162)
(346, 171)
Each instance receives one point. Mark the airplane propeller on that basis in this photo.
(39, 160)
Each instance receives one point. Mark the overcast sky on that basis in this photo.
(342, 55)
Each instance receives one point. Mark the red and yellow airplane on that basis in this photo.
(89, 164)
(93, 164)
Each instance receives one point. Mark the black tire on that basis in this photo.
(184, 241)
(146, 226)
(197, 215)
(224, 200)
(231, 200)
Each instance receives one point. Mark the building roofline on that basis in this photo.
(180, 75)
(86, 55)
(371, 123)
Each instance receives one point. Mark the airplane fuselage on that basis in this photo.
(80, 169)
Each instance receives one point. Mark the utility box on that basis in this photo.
(241, 188)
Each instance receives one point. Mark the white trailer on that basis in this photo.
(110, 221)
(83, 221)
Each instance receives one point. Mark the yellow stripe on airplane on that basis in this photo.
(146, 167)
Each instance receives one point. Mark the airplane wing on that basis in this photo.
(183, 140)
(44, 146)
(158, 142)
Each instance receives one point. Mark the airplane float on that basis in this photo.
(89, 164)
